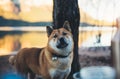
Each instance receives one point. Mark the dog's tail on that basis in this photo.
(12, 60)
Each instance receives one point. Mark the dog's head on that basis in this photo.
(60, 40)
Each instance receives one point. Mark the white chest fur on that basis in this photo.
(59, 74)
(62, 63)
(62, 69)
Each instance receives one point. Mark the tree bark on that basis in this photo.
(68, 10)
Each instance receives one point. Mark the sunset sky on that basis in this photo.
(101, 9)
(107, 10)
(37, 2)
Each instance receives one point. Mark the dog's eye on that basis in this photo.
(55, 36)
(64, 33)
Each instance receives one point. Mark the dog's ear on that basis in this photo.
(49, 30)
(66, 25)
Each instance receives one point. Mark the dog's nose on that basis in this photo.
(62, 43)
(62, 40)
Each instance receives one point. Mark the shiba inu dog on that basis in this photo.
(51, 62)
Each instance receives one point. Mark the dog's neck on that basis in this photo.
(55, 56)
(59, 56)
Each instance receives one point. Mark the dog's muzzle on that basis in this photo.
(61, 43)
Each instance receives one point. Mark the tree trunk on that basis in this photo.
(68, 10)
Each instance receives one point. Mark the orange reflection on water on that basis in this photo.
(14, 42)
(10, 43)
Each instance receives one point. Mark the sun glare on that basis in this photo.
(36, 2)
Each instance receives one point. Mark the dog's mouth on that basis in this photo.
(60, 46)
(62, 43)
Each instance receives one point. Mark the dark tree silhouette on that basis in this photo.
(68, 10)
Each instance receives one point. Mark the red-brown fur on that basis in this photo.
(39, 60)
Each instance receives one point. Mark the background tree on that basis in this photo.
(68, 10)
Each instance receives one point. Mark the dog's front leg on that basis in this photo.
(24, 76)
(31, 75)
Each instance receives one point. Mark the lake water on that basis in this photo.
(15, 38)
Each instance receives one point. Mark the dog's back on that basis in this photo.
(26, 58)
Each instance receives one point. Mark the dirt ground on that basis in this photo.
(100, 56)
